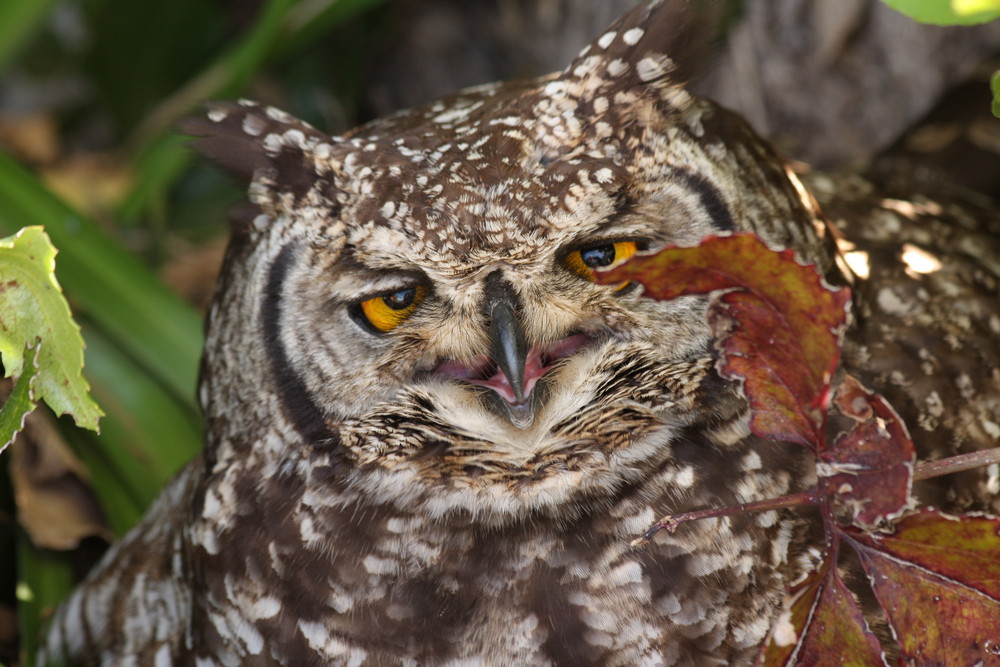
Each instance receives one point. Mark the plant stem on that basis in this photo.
(952, 464)
(671, 522)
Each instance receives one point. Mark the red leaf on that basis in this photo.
(779, 331)
(829, 627)
(868, 471)
(938, 580)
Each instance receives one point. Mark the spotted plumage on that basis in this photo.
(432, 438)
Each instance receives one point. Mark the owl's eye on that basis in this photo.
(388, 311)
(584, 261)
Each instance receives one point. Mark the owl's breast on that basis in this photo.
(354, 579)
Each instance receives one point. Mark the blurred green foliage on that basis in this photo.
(111, 77)
(995, 87)
(948, 12)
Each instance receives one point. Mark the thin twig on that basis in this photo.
(672, 521)
(952, 464)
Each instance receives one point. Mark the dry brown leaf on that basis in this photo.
(93, 184)
(56, 505)
(34, 138)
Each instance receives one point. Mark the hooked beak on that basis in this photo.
(508, 346)
(510, 352)
(512, 369)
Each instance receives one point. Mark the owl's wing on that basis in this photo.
(927, 335)
(135, 605)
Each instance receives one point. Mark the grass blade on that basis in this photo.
(45, 578)
(107, 285)
(146, 433)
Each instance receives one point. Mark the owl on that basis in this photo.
(432, 436)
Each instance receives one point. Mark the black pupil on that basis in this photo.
(599, 256)
(401, 299)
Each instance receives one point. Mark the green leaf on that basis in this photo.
(157, 167)
(114, 487)
(147, 32)
(948, 12)
(19, 403)
(311, 20)
(108, 285)
(967, 8)
(163, 158)
(147, 434)
(32, 308)
(280, 25)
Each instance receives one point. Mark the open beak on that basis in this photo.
(512, 369)
(509, 350)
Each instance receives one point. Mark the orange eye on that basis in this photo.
(388, 311)
(583, 262)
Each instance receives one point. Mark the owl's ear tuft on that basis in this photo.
(245, 138)
(266, 147)
(653, 49)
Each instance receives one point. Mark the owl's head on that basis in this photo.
(414, 302)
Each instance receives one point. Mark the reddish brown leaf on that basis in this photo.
(822, 625)
(853, 399)
(778, 387)
(938, 580)
(779, 331)
(868, 471)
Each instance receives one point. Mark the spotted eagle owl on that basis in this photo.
(431, 435)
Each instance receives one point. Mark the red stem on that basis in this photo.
(928, 469)
(923, 470)
(672, 521)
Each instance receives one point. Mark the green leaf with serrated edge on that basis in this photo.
(948, 12)
(19, 403)
(109, 285)
(32, 307)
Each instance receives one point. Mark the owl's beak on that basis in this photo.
(510, 351)
(509, 347)
(512, 369)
